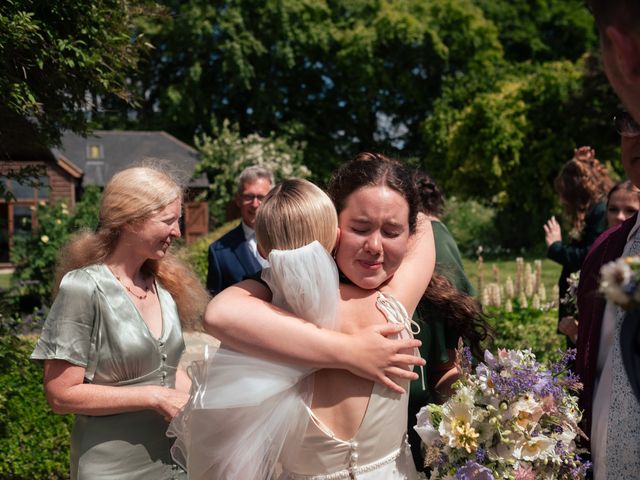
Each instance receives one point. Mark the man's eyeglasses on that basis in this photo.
(625, 125)
(250, 198)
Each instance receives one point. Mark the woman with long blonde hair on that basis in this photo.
(113, 338)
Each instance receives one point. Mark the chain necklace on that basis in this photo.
(139, 297)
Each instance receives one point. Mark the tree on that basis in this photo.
(506, 143)
(226, 155)
(55, 57)
(342, 75)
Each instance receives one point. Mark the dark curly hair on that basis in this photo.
(582, 182)
(372, 169)
(442, 299)
(431, 197)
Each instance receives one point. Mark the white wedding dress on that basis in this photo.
(242, 409)
(378, 451)
(248, 418)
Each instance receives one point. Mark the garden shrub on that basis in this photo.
(471, 224)
(196, 254)
(33, 440)
(35, 255)
(227, 153)
(529, 328)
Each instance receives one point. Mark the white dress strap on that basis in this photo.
(395, 312)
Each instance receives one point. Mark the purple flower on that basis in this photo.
(474, 471)
(481, 455)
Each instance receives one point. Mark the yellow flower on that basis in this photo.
(44, 239)
(465, 436)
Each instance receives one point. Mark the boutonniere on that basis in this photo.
(619, 282)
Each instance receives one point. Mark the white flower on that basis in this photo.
(614, 275)
(526, 412)
(44, 239)
(424, 427)
(535, 448)
(456, 426)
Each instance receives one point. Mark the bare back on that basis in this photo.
(340, 398)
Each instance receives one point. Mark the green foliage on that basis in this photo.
(508, 140)
(223, 158)
(345, 76)
(34, 442)
(470, 223)
(53, 54)
(542, 30)
(34, 255)
(530, 328)
(492, 96)
(196, 254)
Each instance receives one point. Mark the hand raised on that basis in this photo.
(552, 231)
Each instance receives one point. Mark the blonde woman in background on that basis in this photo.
(113, 338)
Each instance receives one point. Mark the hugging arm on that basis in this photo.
(410, 281)
(274, 334)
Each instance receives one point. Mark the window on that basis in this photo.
(95, 151)
(18, 216)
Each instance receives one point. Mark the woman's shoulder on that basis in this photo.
(84, 278)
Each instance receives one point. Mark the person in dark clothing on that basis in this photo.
(582, 184)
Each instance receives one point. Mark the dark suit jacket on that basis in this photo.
(591, 304)
(230, 260)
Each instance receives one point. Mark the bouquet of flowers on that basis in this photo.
(620, 282)
(509, 418)
(570, 299)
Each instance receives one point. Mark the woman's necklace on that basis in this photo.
(139, 297)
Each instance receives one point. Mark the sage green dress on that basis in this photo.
(94, 324)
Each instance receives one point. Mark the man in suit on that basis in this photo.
(235, 255)
(609, 398)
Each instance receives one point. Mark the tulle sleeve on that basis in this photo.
(243, 412)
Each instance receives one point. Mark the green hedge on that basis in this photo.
(196, 253)
(34, 442)
(528, 328)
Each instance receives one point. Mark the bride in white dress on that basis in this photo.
(357, 428)
(243, 409)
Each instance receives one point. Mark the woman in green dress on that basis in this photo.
(113, 338)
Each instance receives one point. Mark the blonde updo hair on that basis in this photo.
(293, 214)
(131, 197)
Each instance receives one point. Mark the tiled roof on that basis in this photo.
(113, 150)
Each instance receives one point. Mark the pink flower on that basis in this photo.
(524, 472)
(548, 404)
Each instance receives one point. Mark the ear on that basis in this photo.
(626, 51)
